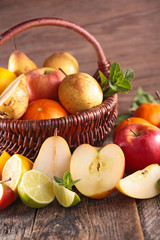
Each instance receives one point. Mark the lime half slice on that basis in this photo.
(65, 197)
(35, 189)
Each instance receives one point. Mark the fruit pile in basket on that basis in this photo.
(56, 89)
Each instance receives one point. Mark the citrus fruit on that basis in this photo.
(35, 189)
(6, 77)
(3, 159)
(14, 168)
(65, 197)
(126, 122)
(44, 109)
(150, 112)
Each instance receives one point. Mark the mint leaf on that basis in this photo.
(119, 80)
(128, 74)
(141, 97)
(158, 182)
(114, 68)
(66, 181)
(102, 78)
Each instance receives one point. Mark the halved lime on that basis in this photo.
(65, 197)
(35, 189)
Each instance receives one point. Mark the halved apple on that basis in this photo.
(54, 157)
(99, 171)
(141, 184)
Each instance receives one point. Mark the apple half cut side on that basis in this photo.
(98, 171)
(142, 184)
(14, 100)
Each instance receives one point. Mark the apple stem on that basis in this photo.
(3, 181)
(133, 132)
(62, 71)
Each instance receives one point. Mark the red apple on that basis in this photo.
(140, 143)
(7, 195)
(44, 83)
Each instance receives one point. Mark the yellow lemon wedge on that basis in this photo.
(6, 77)
(3, 159)
(14, 168)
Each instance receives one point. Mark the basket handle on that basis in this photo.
(103, 63)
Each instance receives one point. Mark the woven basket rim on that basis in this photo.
(110, 102)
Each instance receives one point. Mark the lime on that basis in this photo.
(65, 197)
(35, 189)
(14, 168)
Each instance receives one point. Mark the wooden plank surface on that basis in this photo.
(129, 32)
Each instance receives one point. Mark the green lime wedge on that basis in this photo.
(35, 189)
(65, 197)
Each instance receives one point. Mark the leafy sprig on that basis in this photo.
(142, 97)
(119, 80)
(66, 181)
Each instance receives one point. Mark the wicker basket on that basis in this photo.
(92, 126)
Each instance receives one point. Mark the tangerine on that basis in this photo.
(44, 109)
(126, 122)
(150, 112)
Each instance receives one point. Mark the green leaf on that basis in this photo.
(114, 68)
(58, 180)
(141, 97)
(66, 181)
(128, 74)
(102, 78)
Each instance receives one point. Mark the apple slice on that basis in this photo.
(15, 98)
(141, 184)
(54, 157)
(99, 171)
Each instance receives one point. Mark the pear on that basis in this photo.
(62, 60)
(15, 99)
(19, 63)
(79, 92)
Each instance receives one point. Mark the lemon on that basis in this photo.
(6, 77)
(3, 159)
(65, 197)
(35, 189)
(14, 168)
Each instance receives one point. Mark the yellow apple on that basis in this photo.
(141, 184)
(98, 171)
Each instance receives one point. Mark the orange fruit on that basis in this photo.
(126, 122)
(3, 159)
(44, 109)
(150, 112)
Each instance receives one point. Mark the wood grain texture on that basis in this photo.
(129, 33)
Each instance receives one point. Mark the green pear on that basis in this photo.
(62, 60)
(19, 63)
(79, 92)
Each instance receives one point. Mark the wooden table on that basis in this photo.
(129, 33)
